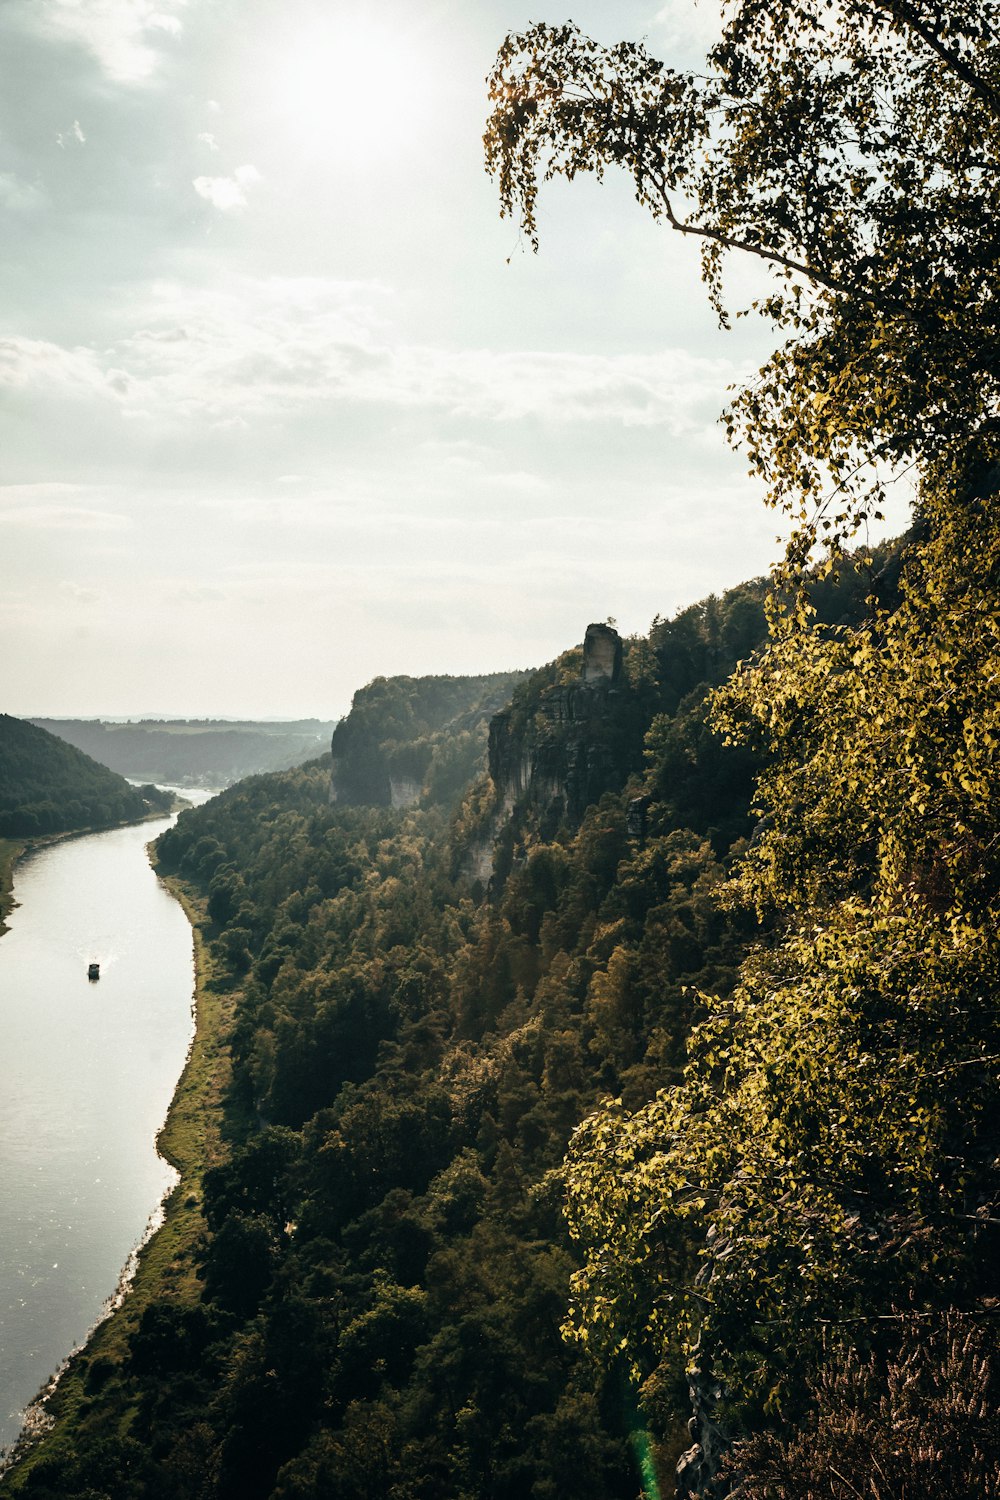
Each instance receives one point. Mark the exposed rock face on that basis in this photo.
(602, 656)
(376, 787)
(635, 817)
(357, 780)
(557, 750)
(479, 862)
(404, 791)
(562, 756)
(408, 740)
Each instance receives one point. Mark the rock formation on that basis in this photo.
(602, 656)
(566, 739)
(560, 754)
(413, 739)
(404, 791)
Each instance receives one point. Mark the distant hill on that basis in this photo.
(48, 786)
(194, 752)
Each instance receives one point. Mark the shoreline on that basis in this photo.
(86, 1390)
(13, 850)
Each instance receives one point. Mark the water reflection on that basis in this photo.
(87, 1074)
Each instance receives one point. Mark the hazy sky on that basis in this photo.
(278, 415)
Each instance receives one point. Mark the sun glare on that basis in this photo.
(357, 86)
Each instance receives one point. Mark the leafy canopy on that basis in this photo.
(830, 1154)
(851, 145)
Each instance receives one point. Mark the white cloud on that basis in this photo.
(684, 30)
(208, 139)
(122, 35)
(20, 494)
(666, 389)
(267, 350)
(227, 193)
(63, 518)
(78, 593)
(269, 347)
(193, 593)
(40, 366)
(67, 137)
(18, 196)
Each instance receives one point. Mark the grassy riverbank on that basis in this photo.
(90, 1396)
(10, 851)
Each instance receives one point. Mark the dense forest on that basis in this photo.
(47, 786)
(809, 1220)
(384, 1267)
(193, 752)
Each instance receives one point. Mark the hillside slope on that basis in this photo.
(194, 752)
(413, 739)
(429, 1001)
(48, 786)
(385, 1268)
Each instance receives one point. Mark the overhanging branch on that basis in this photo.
(904, 13)
(775, 257)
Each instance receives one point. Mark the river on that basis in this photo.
(88, 1071)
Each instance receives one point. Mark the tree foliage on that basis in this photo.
(48, 786)
(831, 1151)
(829, 1157)
(385, 1265)
(851, 148)
(421, 735)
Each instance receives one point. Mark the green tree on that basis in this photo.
(827, 1157)
(852, 149)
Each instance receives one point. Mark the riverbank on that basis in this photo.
(10, 852)
(89, 1393)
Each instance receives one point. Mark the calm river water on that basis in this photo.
(87, 1071)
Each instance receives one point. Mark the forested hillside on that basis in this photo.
(194, 752)
(643, 1096)
(413, 739)
(809, 1221)
(47, 786)
(385, 1270)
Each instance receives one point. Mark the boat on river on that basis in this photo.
(94, 971)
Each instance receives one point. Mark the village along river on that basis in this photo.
(87, 1070)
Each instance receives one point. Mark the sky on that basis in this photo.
(284, 405)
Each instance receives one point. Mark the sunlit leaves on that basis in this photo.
(829, 1154)
(853, 148)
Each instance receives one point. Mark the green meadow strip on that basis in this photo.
(88, 1395)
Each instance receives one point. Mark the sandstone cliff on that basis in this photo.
(572, 732)
(560, 748)
(415, 739)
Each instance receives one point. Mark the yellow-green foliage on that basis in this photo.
(831, 1150)
(829, 1156)
(852, 149)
